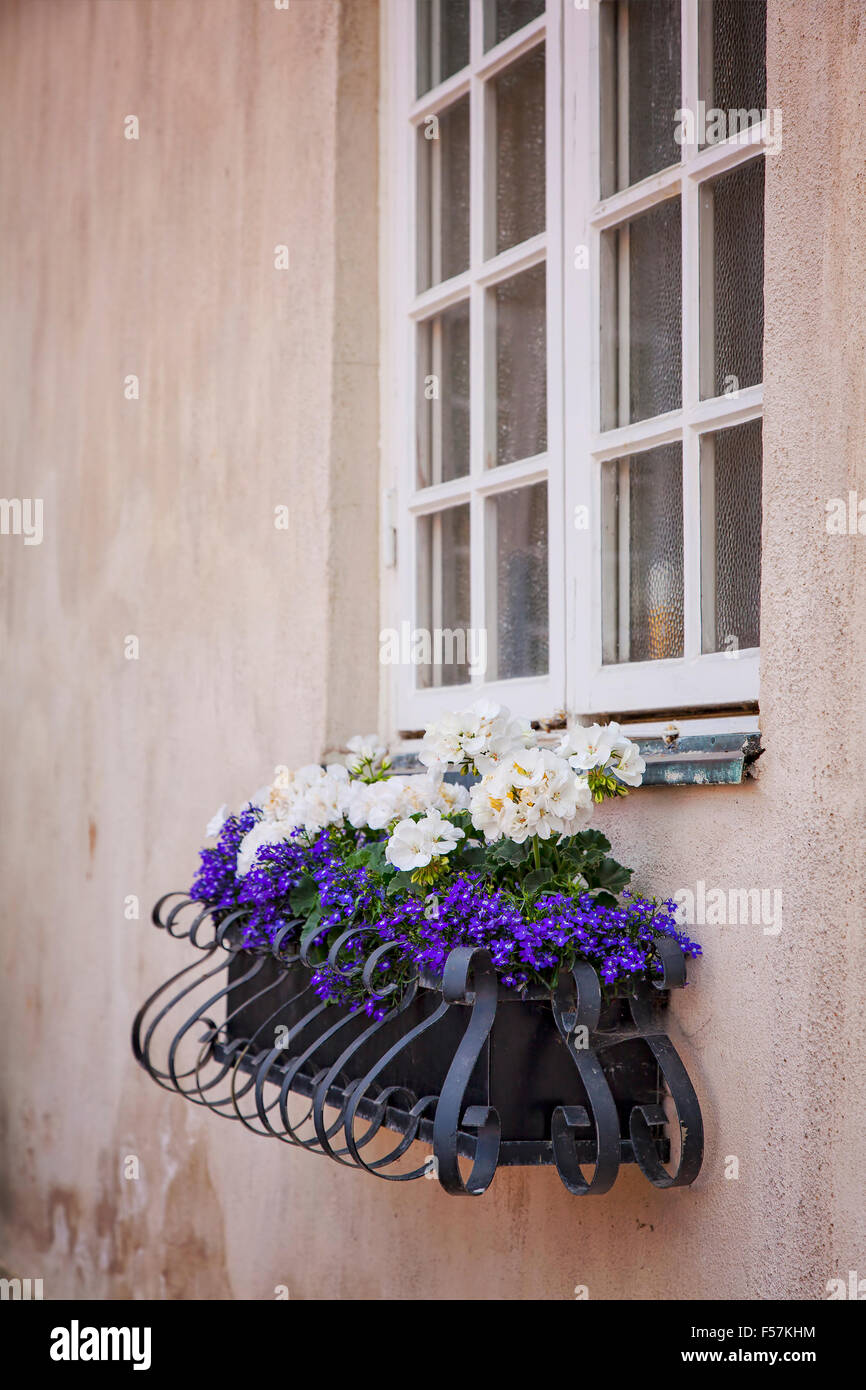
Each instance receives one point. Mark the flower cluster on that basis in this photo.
(415, 843)
(376, 805)
(350, 852)
(605, 756)
(526, 947)
(533, 792)
(474, 739)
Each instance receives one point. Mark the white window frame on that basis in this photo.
(404, 309)
(577, 681)
(698, 679)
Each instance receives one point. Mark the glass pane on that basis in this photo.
(519, 550)
(640, 89)
(443, 195)
(732, 280)
(504, 17)
(443, 396)
(521, 366)
(733, 64)
(642, 336)
(441, 643)
(519, 107)
(642, 556)
(731, 538)
(443, 40)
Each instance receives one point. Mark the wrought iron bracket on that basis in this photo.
(487, 1077)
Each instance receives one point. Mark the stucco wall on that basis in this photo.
(258, 388)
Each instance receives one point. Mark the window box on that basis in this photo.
(481, 1073)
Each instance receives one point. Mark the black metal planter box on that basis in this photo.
(481, 1073)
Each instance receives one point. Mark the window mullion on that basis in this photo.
(478, 328)
(690, 208)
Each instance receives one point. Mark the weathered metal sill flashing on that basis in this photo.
(690, 760)
(700, 759)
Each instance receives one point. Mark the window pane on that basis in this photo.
(519, 107)
(521, 366)
(640, 89)
(443, 40)
(642, 317)
(504, 17)
(733, 59)
(732, 280)
(443, 396)
(443, 195)
(518, 541)
(443, 597)
(731, 538)
(642, 556)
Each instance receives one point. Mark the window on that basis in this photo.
(573, 327)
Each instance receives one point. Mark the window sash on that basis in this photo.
(576, 217)
(698, 679)
(403, 113)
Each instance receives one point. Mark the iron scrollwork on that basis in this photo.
(597, 1083)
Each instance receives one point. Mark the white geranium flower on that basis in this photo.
(535, 792)
(279, 798)
(604, 746)
(324, 800)
(627, 764)
(312, 797)
(479, 737)
(409, 846)
(452, 796)
(374, 805)
(588, 748)
(217, 821)
(414, 843)
(378, 804)
(443, 835)
(365, 752)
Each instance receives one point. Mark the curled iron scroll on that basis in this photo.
(644, 1118)
(468, 978)
(577, 1005)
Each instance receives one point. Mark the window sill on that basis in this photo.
(700, 759)
(723, 759)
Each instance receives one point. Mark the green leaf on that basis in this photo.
(402, 883)
(311, 927)
(305, 897)
(370, 857)
(608, 874)
(508, 852)
(605, 899)
(474, 857)
(591, 840)
(538, 879)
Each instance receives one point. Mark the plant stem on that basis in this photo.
(536, 852)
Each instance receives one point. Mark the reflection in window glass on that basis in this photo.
(443, 598)
(520, 174)
(443, 195)
(502, 18)
(642, 556)
(442, 412)
(518, 541)
(732, 280)
(521, 366)
(642, 316)
(731, 538)
(733, 58)
(442, 28)
(640, 89)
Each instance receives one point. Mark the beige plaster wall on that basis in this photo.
(257, 646)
